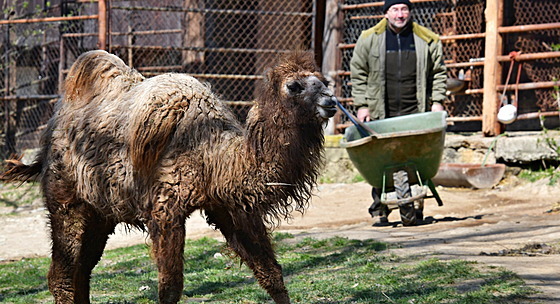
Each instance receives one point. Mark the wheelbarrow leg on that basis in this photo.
(434, 192)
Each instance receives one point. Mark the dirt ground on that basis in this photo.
(515, 225)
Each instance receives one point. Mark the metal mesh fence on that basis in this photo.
(464, 17)
(228, 44)
(29, 73)
(527, 12)
(444, 17)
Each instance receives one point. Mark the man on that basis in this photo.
(396, 69)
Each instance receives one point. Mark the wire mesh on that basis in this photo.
(29, 71)
(527, 12)
(228, 44)
(444, 17)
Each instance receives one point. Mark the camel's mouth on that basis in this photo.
(326, 111)
(327, 107)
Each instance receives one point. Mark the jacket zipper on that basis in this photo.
(399, 63)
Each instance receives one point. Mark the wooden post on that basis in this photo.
(61, 65)
(7, 151)
(331, 39)
(193, 35)
(102, 23)
(130, 42)
(331, 54)
(492, 68)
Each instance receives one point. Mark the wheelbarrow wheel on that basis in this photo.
(402, 189)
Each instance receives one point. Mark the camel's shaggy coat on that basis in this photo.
(149, 152)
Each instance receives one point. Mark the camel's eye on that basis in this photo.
(294, 87)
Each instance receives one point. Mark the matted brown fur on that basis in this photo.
(149, 152)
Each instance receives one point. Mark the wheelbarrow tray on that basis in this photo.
(469, 175)
(412, 142)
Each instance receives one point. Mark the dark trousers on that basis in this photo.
(377, 208)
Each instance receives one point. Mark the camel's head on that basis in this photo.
(296, 77)
(312, 89)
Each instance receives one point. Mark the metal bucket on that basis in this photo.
(469, 175)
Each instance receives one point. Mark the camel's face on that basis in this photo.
(312, 90)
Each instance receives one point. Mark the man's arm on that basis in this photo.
(359, 68)
(439, 73)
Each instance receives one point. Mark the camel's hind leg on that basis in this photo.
(79, 236)
(168, 236)
(250, 239)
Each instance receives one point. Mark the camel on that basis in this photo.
(148, 152)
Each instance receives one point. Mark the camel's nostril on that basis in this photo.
(327, 102)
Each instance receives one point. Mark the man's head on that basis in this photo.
(397, 13)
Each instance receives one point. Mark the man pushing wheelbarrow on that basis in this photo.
(397, 70)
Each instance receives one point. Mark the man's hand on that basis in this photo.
(363, 114)
(437, 107)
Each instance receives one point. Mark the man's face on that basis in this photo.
(398, 16)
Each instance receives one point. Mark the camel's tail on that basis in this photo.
(14, 170)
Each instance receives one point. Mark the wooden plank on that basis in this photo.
(529, 27)
(48, 19)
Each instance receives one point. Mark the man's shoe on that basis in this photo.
(381, 221)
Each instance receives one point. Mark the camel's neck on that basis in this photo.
(286, 146)
(272, 168)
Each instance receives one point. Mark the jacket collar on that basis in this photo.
(420, 31)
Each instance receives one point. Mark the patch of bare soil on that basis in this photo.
(514, 225)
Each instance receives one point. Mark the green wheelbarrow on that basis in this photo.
(399, 155)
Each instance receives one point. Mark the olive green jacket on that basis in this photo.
(368, 69)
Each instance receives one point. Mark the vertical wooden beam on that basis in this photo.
(6, 58)
(12, 108)
(193, 35)
(102, 23)
(332, 58)
(492, 68)
(7, 150)
(331, 39)
(61, 65)
(130, 42)
(319, 29)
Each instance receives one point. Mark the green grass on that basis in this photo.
(16, 195)
(323, 179)
(335, 270)
(358, 178)
(550, 173)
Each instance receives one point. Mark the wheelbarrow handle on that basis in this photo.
(364, 130)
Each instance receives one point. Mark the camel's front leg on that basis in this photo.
(249, 238)
(167, 232)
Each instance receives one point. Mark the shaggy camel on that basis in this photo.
(149, 152)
